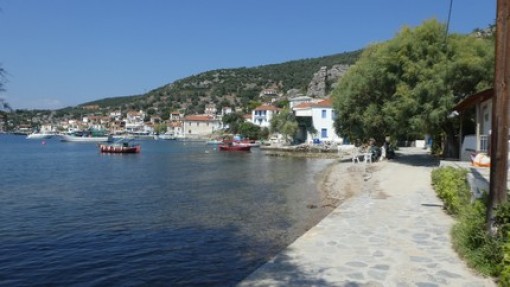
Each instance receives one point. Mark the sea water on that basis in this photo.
(177, 214)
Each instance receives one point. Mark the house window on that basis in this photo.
(323, 114)
(197, 124)
(333, 115)
(324, 133)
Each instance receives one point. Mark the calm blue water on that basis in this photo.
(177, 214)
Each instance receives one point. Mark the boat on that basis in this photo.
(252, 143)
(167, 136)
(39, 136)
(120, 146)
(213, 142)
(86, 136)
(233, 146)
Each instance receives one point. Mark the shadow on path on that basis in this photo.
(416, 157)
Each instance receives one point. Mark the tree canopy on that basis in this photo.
(285, 123)
(407, 86)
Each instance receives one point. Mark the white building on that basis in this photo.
(319, 115)
(262, 115)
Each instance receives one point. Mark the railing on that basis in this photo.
(484, 143)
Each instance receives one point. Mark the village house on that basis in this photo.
(175, 116)
(175, 128)
(210, 109)
(299, 100)
(116, 115)
(262, 115)
(316, 122)
(200, 126)
(226, 111)
(135, 122)
(477, 140)
(269, 94)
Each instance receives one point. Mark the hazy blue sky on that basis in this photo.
(65, 52)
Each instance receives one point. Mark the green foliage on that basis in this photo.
(407, 86)
(504, 279)
(482, 251)
(264, 133)
(233, 121)
(249, 130)
(470, 239)
(285, 123)
(451, 186)
(502, 219)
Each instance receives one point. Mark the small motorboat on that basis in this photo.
(39, 136)
(120, 146)
(233, 146)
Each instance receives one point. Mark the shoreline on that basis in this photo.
(384, 233)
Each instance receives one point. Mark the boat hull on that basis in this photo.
(38, 136)
(71, 138)
(234, 147)
(119, 149)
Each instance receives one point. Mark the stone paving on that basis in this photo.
(393, 233)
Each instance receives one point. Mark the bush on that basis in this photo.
(470, 239)
(482, 251)
(451, 186)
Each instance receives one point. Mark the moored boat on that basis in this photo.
(120, 146)
(233, 146)
(86, 136)
(167, 136)
(38, 136)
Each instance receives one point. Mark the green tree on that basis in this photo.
(285, 123)
(234, 121)
(407, 86)
(249, 130)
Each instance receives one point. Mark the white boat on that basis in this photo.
(167, 136)
(38, 136)
(86, 137)
(213, 142)
(75, 138)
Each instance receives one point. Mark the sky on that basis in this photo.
(60, 53)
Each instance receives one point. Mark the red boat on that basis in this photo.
(120, 147)
(233, 146)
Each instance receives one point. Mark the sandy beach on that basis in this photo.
(387, 228)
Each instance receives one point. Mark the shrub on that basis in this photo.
(470, 239)
(482, 251)
(451, 186)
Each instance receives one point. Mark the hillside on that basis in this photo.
(236, 87)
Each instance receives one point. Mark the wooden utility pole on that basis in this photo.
(500, 112)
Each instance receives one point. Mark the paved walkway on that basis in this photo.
(393, 233)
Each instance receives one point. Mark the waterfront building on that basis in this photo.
(200, 126)
(262, 115)
(319, 115)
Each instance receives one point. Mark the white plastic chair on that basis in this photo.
(356, 155)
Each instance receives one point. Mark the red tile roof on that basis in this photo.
(327, 103)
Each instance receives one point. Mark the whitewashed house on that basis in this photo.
(135, 122)
(319, 115)
(262, 115)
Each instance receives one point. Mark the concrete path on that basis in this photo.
(393, 233)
